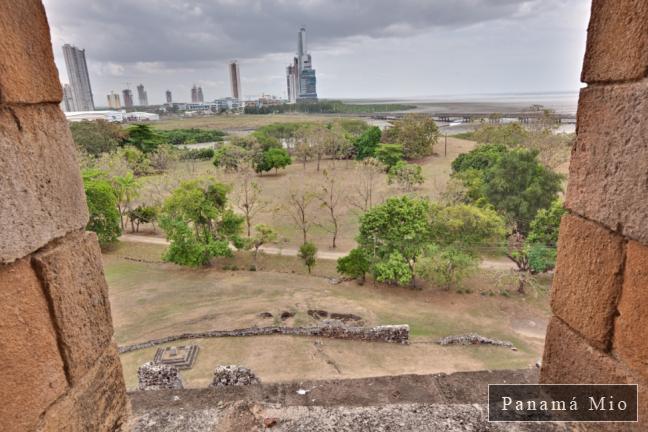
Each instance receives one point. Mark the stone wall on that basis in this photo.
(389, 333)
(600, 291)
(60, 366)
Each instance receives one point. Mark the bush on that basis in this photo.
(197, 154)
(308, 253)
(102, 206)
(356, 265)
(389, 154)
(408, 176)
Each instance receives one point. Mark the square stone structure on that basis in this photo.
(182, 357)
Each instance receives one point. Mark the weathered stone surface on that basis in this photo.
(630, 341)
(27, 70)
(233, 375)
(617, 41)
(608, 180)
(473, 339)
(587, 282)
(72, 273)
(155, 376)
(568, 359)
(30, 363)
(41, 190)
(97, 403)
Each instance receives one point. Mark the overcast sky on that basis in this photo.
(360, 48)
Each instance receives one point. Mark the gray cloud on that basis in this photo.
(173, 39)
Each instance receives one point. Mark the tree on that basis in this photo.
(408, 176)
(273, 158)
(331, 197)
(544, 227)
(299, 209)
(417, 133)
(480, 158)
(229, 157)
(518, 186)
(367, 143)
(126, 189)
(389, 154)
(303, 150)
(446, 266)
(162, 158)
(395, 270)
(356, 264)
(510, 135)
(97, 137)
(465, 226)
(263, 234)
(308, 254)
(366, 177)
(102, 207)
(247, 197)
(199, 224)
(142, 214)
(143, 137)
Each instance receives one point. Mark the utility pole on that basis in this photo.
(445, 149)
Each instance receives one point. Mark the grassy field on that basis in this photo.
(243, 122)
(153, 299)
(276, 189)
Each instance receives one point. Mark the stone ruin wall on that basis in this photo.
(599, 331)
(60, 366)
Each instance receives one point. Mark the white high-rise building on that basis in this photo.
(113, 100)
(67, 104)
(77, 71)
(235, 80)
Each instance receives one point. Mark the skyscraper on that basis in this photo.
(77, 71)
(300, 76)
(235, 80)
(141, 95)
(201, 98)
(127, 94)
(169, 98)
(68, 99)
(113, 100)
(197, 94)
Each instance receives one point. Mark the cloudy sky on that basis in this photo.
(360, 48)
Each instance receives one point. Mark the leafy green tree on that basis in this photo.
(143, 137)
(97, 137)
(263, 234)
(389, 154)
(126, 188)
(142, 214)
(273, 158)
(465, 226)
(541, 258)
(408, 176)
(366, 144)
(510, 135)
(446, 266)
(480, 158)
(356, 265)
(395, 269)
(199, 224)
(417, 133)
(518, 186)
(308, 254)
(102, 206)
(230, 157)
(544, 227)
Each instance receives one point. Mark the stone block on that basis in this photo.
(569, 359)
(617, 41)
(41, 190)
(27, 70)
(608, 180)
(32, 369)
(587, 282)
(97, 403)
(72, 274)
(630, 341)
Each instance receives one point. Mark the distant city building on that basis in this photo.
(197, 94)
(141, 95)
(68, 99)
(113, 100)
(169, 98)
(77, 71)
(127, 95)
(291, 82)
(300, 76)
(235, 80)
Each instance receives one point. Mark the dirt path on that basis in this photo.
(324, 255)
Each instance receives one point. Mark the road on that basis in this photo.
(325, 255)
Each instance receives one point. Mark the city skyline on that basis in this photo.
(507, 47)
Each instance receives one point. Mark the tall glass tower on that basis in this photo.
(77, 70)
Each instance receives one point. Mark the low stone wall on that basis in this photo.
(389, 333)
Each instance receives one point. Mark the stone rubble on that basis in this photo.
(233, 375)
(473, 339)
(155, 376)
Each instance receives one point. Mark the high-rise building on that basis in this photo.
(300, 76)
(141, 95)
(77, 71)
(127, 95)
(235, 80)
(169, 98)
(197, 94)
(68, 99)
(113, 100)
